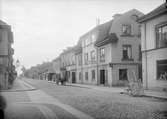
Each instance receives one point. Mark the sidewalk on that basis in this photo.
(19, 85)
(148, 93)
(16, 99)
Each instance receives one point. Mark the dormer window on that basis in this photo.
(126, 29)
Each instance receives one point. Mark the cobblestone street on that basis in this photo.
(42, 99)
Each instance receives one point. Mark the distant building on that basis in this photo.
(68, 63)
(79, 63)
(154, 48)
(118, 49)
(7, 69)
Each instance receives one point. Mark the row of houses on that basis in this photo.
(129, 46)
(109, 54)
(7, 69)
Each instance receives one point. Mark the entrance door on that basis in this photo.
(73, 77)
(102, 76)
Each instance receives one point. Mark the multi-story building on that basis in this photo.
(154, 48)
(7, 69)
(118, 50)
(68, 63)
(79, 69)
(89, 59)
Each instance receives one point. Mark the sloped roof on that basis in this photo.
(2, 23)
(111, 38)
(103, 34)
(78, 49)
(162, 9)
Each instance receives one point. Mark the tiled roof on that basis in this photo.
(162, 9)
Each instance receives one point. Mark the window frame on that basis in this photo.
(102, 55)
(127, 46)
(86, 57)
(86, 76)
(126, 34)
(157, 27)
(93, 57)
(121, 79)
(158, 61)
(93, 74)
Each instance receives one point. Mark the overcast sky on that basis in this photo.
(43, 28)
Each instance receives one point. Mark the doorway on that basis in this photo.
(102, 76)
(73, 77)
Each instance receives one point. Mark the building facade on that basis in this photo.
(68, 64)
(79, 63)
(119, 50)
(89, 59)
(7, 69)
(154, 48)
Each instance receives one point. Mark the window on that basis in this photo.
(140, 53)
(86, 75)
(86, 58)
(93, 38)
(162, 70)
(93, 55)
(79, 60)
(127, 52)
(102, 55)
(123, 74)
(93, 74)
(161, 36)
(73, 59)
(87, 41)
(126, 29)
(80, 76)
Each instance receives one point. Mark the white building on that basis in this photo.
(154, 48)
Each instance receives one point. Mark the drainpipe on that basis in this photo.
(145, 54)
(97, 74)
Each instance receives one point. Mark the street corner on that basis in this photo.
(23, 111)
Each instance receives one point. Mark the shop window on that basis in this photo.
(162, 70)
(123, 74)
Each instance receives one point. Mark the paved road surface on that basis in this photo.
(43, 100)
